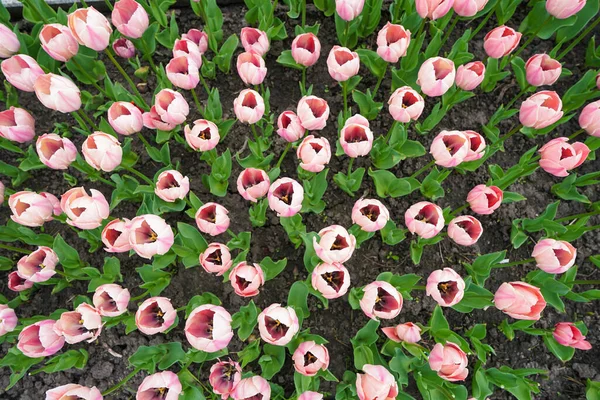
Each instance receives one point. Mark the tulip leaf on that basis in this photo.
(249, 353)
(272, 268)
(272, 360)
(563, 353)
(245, 320)
(223, 58)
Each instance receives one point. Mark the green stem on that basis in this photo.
(592, 228)
(517, 97)
(303, 13)
(138, 174)
(87, 119)
(141, 296)
(483, 22)
(258, 141)
(419, 287)
(345, 94)
(346, 26)
(12, 248)
(304, 81)
(83, 3)
(34, 7)
(530, 38)
(459, 209)
(122, 382)
(425, 168)
(287, 148)
(143, 140)
(350, 167)
(380, 80)
(585, 282)
(109, 5)
(91, 79)
(80, 121)
(230, 233)
(97, 177)
(389, 133)
(198, 105)
(512, 264)
(509, 134)
(589, 29)
(127, 78)
(577, 216)
(449, 30)
(206, 88)
(579, 132)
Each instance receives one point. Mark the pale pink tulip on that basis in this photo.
(285, 197)
(247, 279)
(554, 256)
(130, 18)
(314, 153)
(370, 214)
(477, 146)
(356, 138)
(8, 319)
(392, 42)
(589, 119)
(83, 324)
(188, 48)
(468, 8)
(150, 235)
(381, 300)
(171, 186)
(484, 199)
(73, 391)
(335, 244)
(249, 106)
(111, 300)
(349, 9)
(58, 41)
(446, 287)
(289, 126)
(310, 358)
(377, 383)
(424, 219)
(183, 72)
(9, 42)
(38, 266)
(30, 208)
(90, 28)
(17, 125)
(406, 104)
(102, 151)
(253, 184)
(278, 325)
(541, 69)
(449, 361)
(520, 300)
(567, 334)
(255, 387)
(115, 236)
(21, 71)
(313, 112)
(342, 63)
(251, 68)
(84, 211)
(56, 210)
(55, 152)
(216, 259)
(407, 332)
(310, 396)
(57, 93)
(306, 49)
(203, 136)
(224, 377)
(563, 9)
(558, 157)
(212, 219)
(465, 230)
(40, 340)
(208, 328)
(254, 40)
(470, 75)
(125, 118)
(501, 41)
(449, 148)
(436, 76)
(163, 385)
(171, 106)
(152, 120)
(331, 280)
(155, 315)
(198, 37)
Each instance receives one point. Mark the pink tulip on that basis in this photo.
(73, 391)
(392, 42)
(449, 361)
(247, 279)
(2, 188)
(8, 319)
(150, 235)
(172, 186)
(406, 104)
(249, 106)
(377, 383)
(124, 48)
(477, 146)
(21, 71)
(520, 300)
(90, 28)
(306, 49)
(224, 377)
(289, 126)
(424, 219)
(40, 340)
(407, 332)
(56, 210)
(450, 148)
(484, 199)
(30, 209)
(314, 153)
(310, 358)
(115, 236)
(155, 315)
(541, 69)
(255, 387)
(187, 48)
(468, 8)
(17, 283)
(331, 280)
(9, 42)
(433, 9)
(55, 152)
(130, 18)
(567, 334)
(470, 75)
(335, 244)
(254, 40)
(589, 119)
(313, 112)
(355, 137)
(563, 9)
(285, 197)
(216, 259)
(203, 136)
(436, 76)
(558, 156)
(171, 106)
(446, 287)
(152, 120)
(554, 256)
(212, 219)
(501, 41)
(58, 42)
(38, 266)
(198, 37)
(278, 325)
(349, 9)
(57, 93)
(208, 328)
(125, 118)
(598, 81)
(163, 385)
(102, 151)
(251, 68)
(183, 72)
(465, 230)
(310, 396)
(84, 211)
(381, 300)
(370, 214)
(342, 63)
(83, 324)
(253, 184)
(17, 125)
(111, 300)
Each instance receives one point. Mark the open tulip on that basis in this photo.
(563, 9)
(125, 118)
(40, 339)
(198, 37)
(130, 18)
(183, 72)
(501, 41)
(407, 332)
(155, 315)
(57, 93)
(289, 126)
(9, 42)
(55, 152)
(247, 279)
(406, 104)
(381, 300)
(342, 63)
(520, 300)
(278, 325)
(58, 41)
(111, 300)
(251, 68)
(253, 388)
(589, 119)
(249, 106)
(567, 334)
(558, 157)
(485, 199)
(335, 244)
(310, 396)
(470, 75)
(377, 383)
(208, 328)
(187, 48)
(554, 256)
(17, 283)
(433, 9)
(224, 377)
(83, 324)
(331, 280)
(115, 236)
(446, 287)
(468, 8)
(370, 214)
(84, 211)
(102, 151)
(424, 219)
(212, 219)
(313, 112)
(171, 106)
(285, 197)
(163, 385)
(450, 148)
(8, 319)
(124, 48)
(356, 138)
(216, 259)
(541, 69)
(306, 49)
(150, 235)
(253, 184)
(310, 358)
(449, 361)
(90, 28)
(477, 146)
(254, 40)
(203, 135)
(436, 76)
(30, 208)
(17, 125)
(314, 153)
(73, 391)
(21, 71)
(171, 185)
(392, 42)
(38, 266)
(465, 230)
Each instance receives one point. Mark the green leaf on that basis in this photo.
(199, 300)
(245, 320)
(272, 268)
(249, 353)
(298, 299)
(272, 360)
(223, 58)
(286, 59)
(67, 360)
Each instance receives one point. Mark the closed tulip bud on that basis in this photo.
(9, 42)
(554, 256)
(124, 48)
(171, 106)
(335, 244)
(331, 280)
(187, 48)
(8, 319)
(255, 387)
(285, 197)
(356, 138)
(21, 71)
(198, 37)
(251, 68)
(17, 125)
(84, 211)
(183, 72)
(449, 361)
(349, 9)
(56, 210)
(407, 332)
(130, 18)
(73, 391)
(381, 300)
(249, 106)
(58, 41)
(254, 40)
(370, 214)
(406, 104)
(102, 151)
(253, 184)
(125, 118)
(115, 236)
(38, 266)
(17, 283)
(203, 136)
(150, 235)
(90, 28)
(278, 325)
(392, 42)
(289, 126)
(111, 300)
(541, 69)
(484, 199)
(567, 334)
(465, 230)
(477, 146)
(424, 219)
(314, 153)
(55, 152)
(313, 113)
(161, 385)
(520, 300)
(212, 219)
(501, 41)
(40, 339)
(208, 328)
(310, 396)
(450, 148)
(30, 209)
(83, 324)
(436, 76)
(468, 8)
(558, 156)
(563, 9)
(246, 279)
(342, 63)
(310, 358)
(470, 75)
(433, 9)
(306, 49)
(216, 259)
(446, 287)
(172, 186)
(589, 119)
(376, 383)
(224, 377)
(57, 93)
(155, 315)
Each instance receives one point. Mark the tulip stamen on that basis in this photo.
(339, 243)
(309, 358)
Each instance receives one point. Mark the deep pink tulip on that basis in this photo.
(40, 339)
(310, 396)
(313, 112)
(249, 106)
(289, 126)
(436, 76)
(17, 125)
(247, 279)
(150, 235)
(208, 328)
(468, 8)
(349, 9)
(424, 219)
(8, 319)
(470, 75)
(370, 214)
(567, 334)
(377, 383)
(331, 280)
(30, 208)
(554, 256)
(484, 199)
(335, 244)
(163, 385)
(17, 283)
(90, 28)
(198, 37)
(130, 18)
(83, 324)
(306, 49)
(310, 357)
(9, 42)
(73, 391)
(171, 186)
(392, 42)
(558, 157)
(58, 41)
(224, 377)
(254, 40)
(187, 48)
(449, 361)
(520, 300)
(202, 136)
(407, 332)
(285, 197)
(212, 219)
(465, 230)
(55, 152)
(501, 41)
(253, 388)
(102, 151)
(155, 315)
(171, 106)
(356, 138)
(314, 153)
(477, 146)
(183, 72)
(278, 325)
(541, 70)
(589, 119)
(84, 211)
(124, 48)
(216, 259)
(125, 118)
(115, 236)
(446, 287)
(381, 300)
(38, 266)
(342, 63)
(563, 9)
(57, 93)
(449, 148)
(253, 184)
(251, 68)
(111, 300)
(406, 104)
(21, 71)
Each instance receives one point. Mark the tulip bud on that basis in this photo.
(17, 125)
(40, 339)
(254, 40)
(424, 219)
(557, 157)
(554, 256)
(30, 209)
(162, 385)
(38, 266)
(406, 104)
(342, 63)
(253, 184)
(187, 48)
(310, 358)
(446, 287)
(477, 146)
(21, 71)
(449, 361)
(289, 126)
(8, 319)
(102, 151)
(83, 324)
(90, 28)
(541, 69)
(310, 396)
(349, 9)
(125, 118)
(216, 259)
(433, 9)
(73, 391)
(212, 219)
(252, 388)
(313, 113)
(58, 42)
(450, 148)
(356, 138)
(111, 300)
(370, 214)
(9, 42)
(501, 41)
(520, 300)
(470, 75)
(251, 68)
(55, 152)
(376, 383)
(306, 49)
(249, 106)
(172, 186)
(246, 279)
(57, 93)
(224, 377)
(150, 235)
(484, 200)
(381, 300)
(203, 136)
(392, 42)
(183, 73)
(331, 280)
(563, 9)
(130, 18)
(468, 8)
(436, 76)
(124, 48)
(155, 315)
(314, 153)
(407, 332)
(277, 325)
(335, 244)
(115, 236)
(56, 210)
(171, 106)
(208, 328)
(285, 197)
(589, 119)
(199, 38)
(567, 334)
(84, 211)
(465, 230)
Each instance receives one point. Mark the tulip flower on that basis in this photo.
(446, 287)
(370, 214)
(253, 184)
(356, 138)
(558, 156)
(436, 76)
(224, 377)
(520, 300)
(56, 210)
(589, 119)
(477, 146)
(124, 48)
(155, 315)
(285, 197)
(392, 42)
(255, 387)
(171, 106)
(83, 324)
(17, 283)
(246, 279)
(208, 328)
(289, 126)
(57, 93)
(30, 209)
(102, 151)
(254, 40)
(433, 9)
(150, 235)
(598, 81)
(567, 334)
(376, 383)
(183, 72)
(331, 280)
(111, 300)
(381, 300)
(470, 75)
(501, 41)
(313, 113)
(58, 42)
(21, 71)
(335, 244)
(115, 236)
(342, 63)
(484, 199)
(187, 48)
(55, 152)
(349, 9)
(38, 266)
(407, 332)
(277, 325)
(541, 69)
(216, 259)
(2, 188)
(563, 9)
(306, 49)
(465, 230)
(199, 38)
(130, 18)
(450, 148)
(90, 28)
(40, 339)
(212, 219)
(406, 104)
(449, 361)
(125, 118)
(203, 136)
(310, 396)
(310, 357)
(249, 106)
(84, 211)
(314, 153)
(73, 391)
(17, 125)
(163, 385)
(468, 8)
(9, 42)
(8, 319)
(171, 185)
(424, 219)
(251, 68)
(554, 256)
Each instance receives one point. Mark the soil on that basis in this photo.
(108, 355)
